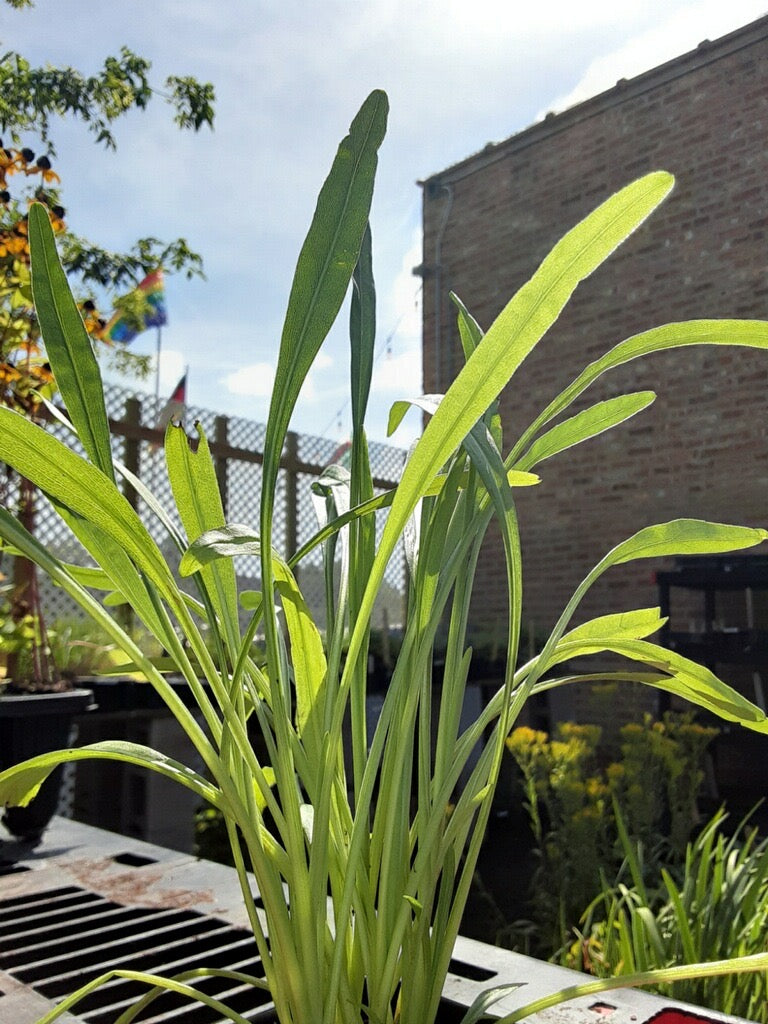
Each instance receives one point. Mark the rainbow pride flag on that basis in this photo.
(153, 290)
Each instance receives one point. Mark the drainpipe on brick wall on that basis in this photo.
(448, 189)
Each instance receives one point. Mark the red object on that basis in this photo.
(671, 1016)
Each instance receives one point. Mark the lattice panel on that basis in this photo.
(246, 434)
(242, 480)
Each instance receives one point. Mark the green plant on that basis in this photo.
(362, 872)
(716, 906)
(568, 803)
(572, 800)
(658, 780)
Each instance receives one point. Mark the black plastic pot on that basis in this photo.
(32, 724)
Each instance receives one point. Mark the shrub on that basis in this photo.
(571, 802)
(713, 906)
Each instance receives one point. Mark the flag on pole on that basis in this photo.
(152, 291)
(343, 455)
(175, 406)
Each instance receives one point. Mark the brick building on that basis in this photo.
(702, 449)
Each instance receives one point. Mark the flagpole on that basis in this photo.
(158, 345)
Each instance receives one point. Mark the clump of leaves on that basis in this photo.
(572, 799)
(712, 907)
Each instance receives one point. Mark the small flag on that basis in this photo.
(152, 290)
(175, 406)
(343, 455)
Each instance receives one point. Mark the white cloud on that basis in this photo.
(172, 365)
(398, 375)
(254, 381)
(323, 361)
(406, 293)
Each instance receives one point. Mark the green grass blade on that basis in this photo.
(69, 349)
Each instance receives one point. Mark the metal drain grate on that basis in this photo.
(11, 869)
(59, 939)
(91, 902)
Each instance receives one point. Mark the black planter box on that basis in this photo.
(32, 724)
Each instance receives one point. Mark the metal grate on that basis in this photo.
(93, 901)
(59, 939)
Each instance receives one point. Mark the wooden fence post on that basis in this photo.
(132, 457)
(221, 434)
(290, 465)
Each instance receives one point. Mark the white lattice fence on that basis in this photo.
(237, 446)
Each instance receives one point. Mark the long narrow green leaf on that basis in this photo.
(678, 537)
(746, 333)
(686, 678)
(20, 784)
(323, 272)
(631, 625)
(584, 425)
(81, 487)
(511, 337)
(13, 531)
(153, 980)
(471, 335)
(308, 657)
(227, 542)
(737, 965)
(362, 332)
(127, 584)
(69, 349)
(684, 537)
(196, 492)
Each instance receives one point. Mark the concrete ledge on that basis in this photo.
(163, 884)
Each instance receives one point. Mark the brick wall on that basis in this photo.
(702, 449)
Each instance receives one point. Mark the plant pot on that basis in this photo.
(32, 724)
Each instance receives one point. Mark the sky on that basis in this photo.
(289, 76)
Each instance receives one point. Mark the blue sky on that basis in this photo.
(289, 76)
